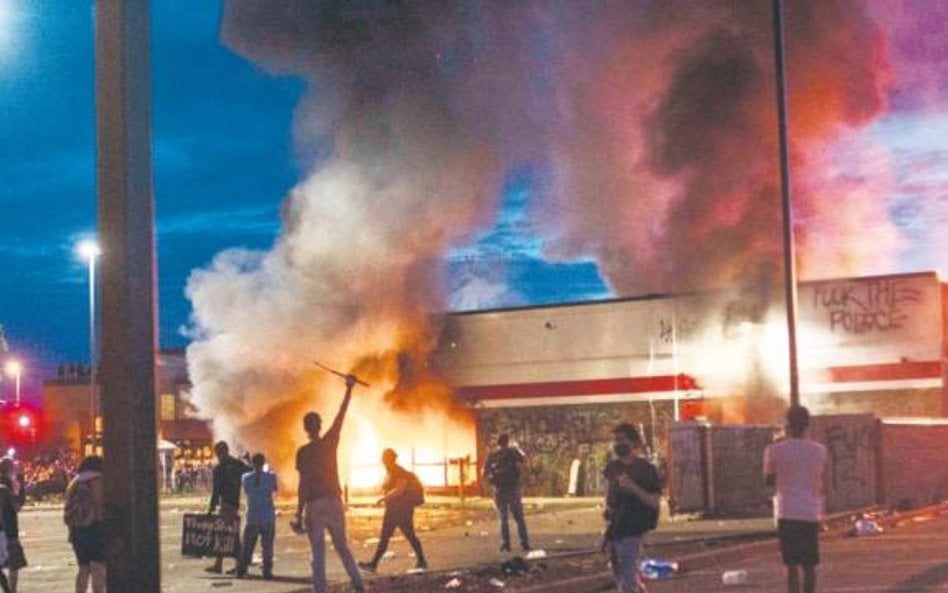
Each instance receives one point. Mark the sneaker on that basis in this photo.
(421, 565)
(214, 569)
(268, 575)
(367, 566)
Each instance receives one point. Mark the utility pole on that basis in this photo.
(786, 201)
(127, 289)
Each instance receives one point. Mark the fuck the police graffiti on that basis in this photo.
(864, 307)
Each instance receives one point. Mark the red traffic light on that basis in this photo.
(24, 421)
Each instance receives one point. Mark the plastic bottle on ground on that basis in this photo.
(734, 577)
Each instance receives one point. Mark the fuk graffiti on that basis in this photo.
(864, 307)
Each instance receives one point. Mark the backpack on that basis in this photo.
(80, 505)
(414, 491)
(503, 469)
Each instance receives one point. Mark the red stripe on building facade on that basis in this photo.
(684, 382)
(680, 382)
(886, 372)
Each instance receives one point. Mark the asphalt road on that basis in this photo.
(912, 557)
(454, 538)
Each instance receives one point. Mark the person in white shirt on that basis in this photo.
(794, 468)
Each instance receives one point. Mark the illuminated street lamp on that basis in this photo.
(14, 370)
(89, 251)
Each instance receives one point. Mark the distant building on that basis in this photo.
(67, 408)
(557, 378)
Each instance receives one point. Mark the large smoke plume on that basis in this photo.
(654, 124)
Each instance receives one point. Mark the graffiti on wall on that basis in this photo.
(848, 448)
(865, 307)
(552, 437)
(672, 330)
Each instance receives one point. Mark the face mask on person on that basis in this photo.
(621, 449)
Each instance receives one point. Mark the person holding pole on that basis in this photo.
(319, 499)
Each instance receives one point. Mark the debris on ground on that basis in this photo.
(656, 569)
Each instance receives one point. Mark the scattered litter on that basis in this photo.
(484, 534)
(415, 571)
(497, 583)
(654, 569)
(734, 577)
(534, 554)
(453, 583)
(372, 540)
(454, 573)
(866, 527)
(922, 518)
(388, 554)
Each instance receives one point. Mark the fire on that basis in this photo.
(430, 446)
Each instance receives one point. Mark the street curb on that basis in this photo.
(837, 527)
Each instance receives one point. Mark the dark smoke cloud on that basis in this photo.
(654, 121)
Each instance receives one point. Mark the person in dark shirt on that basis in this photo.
(9, 509)
(633, 491)
(400, 502)
(319, 498)
(502, 469)
(225, 492)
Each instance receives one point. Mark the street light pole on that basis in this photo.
(15, 369)
(786, 201)
(90, 251)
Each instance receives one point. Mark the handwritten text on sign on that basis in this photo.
(209, 535)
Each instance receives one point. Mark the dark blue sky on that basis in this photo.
(224, 160)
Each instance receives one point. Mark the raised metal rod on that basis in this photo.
(341, 374)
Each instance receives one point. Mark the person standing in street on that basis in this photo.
(10, 507)
(83, 514)
(259, 485)
(503, 470)
(319, 498)
(633, 498)
(402, 492)
(794, 468)
(225, 491)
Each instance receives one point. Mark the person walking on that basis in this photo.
(633, 498)
(259, 485)
(794, 468)
(10, 506)
(319, 497)
(402, 492)
(225, 492)
(503, 470)
(83, 515)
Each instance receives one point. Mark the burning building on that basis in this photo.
(558, 378)
(651, 125)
